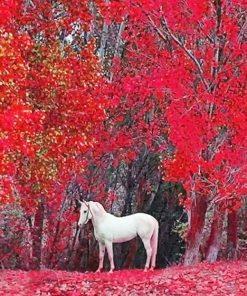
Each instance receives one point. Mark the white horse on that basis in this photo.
(109, 229)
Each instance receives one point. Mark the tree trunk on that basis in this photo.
(214, 239)
(129, 261)
(195, 232)
(140, 194)
(232, 236)
(56, 234)
(37, 233)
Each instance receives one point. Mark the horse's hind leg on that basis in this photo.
(154, 244)
(153, 259)
(147, 245)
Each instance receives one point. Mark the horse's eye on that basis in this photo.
(85, 212)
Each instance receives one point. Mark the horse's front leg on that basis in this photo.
(101, 256)
(110, 255)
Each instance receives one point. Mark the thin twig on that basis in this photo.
(181, 45)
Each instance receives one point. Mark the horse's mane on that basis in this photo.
(99, 207)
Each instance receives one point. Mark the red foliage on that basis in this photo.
(202, 279)
(49, 110)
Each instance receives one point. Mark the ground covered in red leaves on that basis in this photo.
(221, 278)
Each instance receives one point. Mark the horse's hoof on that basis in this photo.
(97, 271)
(145, 269)
(111, 271)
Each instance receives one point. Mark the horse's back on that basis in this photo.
(140, 223)
(118, 229)
(146, 224)
(137, 219)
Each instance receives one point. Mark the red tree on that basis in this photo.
(188, 57)
(50, 114)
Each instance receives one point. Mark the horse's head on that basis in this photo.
(85, 213)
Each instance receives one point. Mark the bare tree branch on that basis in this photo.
(168, 32)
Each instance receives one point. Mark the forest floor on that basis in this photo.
(221, 278)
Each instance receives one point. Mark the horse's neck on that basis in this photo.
(98, 212)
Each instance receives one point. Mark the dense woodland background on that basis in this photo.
(140, 105)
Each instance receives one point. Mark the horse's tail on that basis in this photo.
(154, 244)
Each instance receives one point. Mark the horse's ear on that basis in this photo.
(78, 203)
